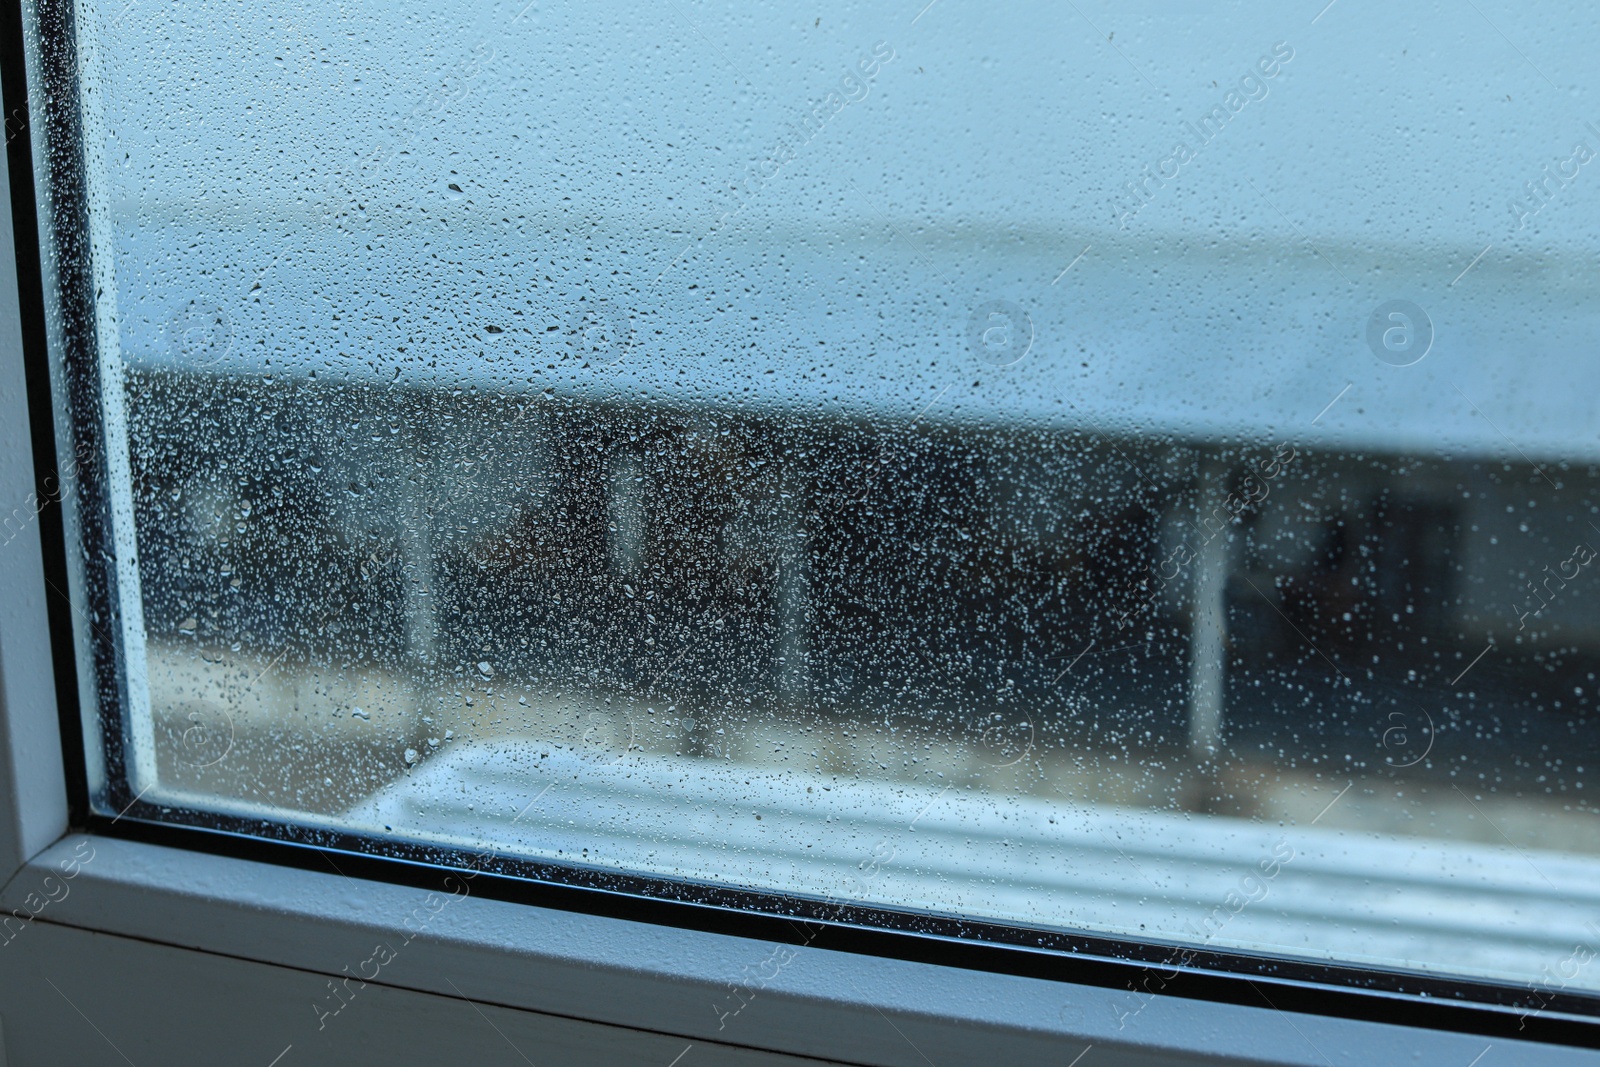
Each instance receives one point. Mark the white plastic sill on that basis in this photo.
(825, 1004)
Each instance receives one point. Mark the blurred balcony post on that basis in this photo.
(793, 594)
(1208, 630)
(419, 514)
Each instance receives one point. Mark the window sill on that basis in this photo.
(825, 1004)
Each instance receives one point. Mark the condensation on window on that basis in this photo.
(1103, 468)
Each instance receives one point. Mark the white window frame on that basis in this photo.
(278, 924)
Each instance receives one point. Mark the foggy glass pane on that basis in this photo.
(1102, 467)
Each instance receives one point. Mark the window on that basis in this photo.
(1102, 478)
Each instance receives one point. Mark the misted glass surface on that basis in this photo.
(1103, 466)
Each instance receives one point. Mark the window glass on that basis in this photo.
(1099, 466)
